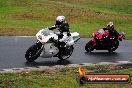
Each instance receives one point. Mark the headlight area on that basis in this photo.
(40, 37)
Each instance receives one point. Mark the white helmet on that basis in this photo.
(60, 19)
(110, 24)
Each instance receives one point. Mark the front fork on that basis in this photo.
(94, 42)
(39, 46)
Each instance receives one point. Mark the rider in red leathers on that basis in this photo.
(105, 39)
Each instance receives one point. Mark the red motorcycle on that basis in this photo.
(102, 40)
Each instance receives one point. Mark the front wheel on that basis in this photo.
(89, 46)
(65, 53)
(33, 53)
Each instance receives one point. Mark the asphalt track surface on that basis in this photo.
(12, 53)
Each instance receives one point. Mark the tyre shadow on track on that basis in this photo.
(97, 57)
(47, 63)
(102, 54)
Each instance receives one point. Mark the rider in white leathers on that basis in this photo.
(63, 26)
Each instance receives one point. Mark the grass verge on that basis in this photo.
(59, 78)
(26, 17)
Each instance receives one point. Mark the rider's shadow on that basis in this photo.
(47, 63)
(102, 54)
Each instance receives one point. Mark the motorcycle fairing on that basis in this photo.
(49, 50)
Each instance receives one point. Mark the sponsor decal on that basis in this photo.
(101, 78)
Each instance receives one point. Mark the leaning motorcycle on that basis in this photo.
(47, 46)
(102, 40)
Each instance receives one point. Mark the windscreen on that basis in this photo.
(46, 32)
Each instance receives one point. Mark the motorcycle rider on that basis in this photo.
(112, 31)
(63, 26)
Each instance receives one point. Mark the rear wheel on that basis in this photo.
(33, 53)
(89, 46)
(65, 53)
(113, 46)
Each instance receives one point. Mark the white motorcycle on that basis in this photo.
(46, 46)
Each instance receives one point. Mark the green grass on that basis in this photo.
(84, 16)
(56, 78)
